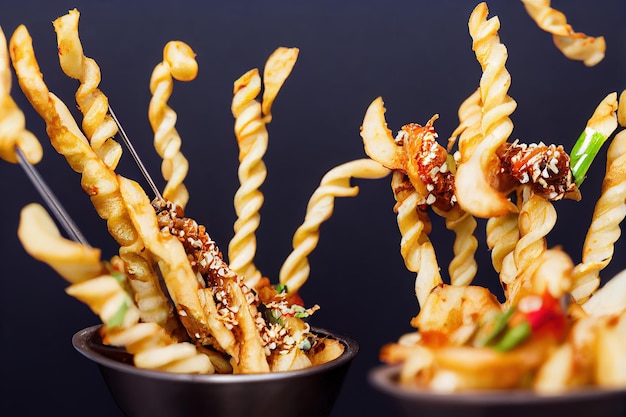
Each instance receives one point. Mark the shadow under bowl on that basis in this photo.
(420, 402)
(148, 393)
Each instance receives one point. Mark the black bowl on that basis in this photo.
(416, 402)
(146, 393)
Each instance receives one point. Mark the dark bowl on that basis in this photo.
(416, 402)
(146, 393)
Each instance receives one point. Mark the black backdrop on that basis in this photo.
(415, 54)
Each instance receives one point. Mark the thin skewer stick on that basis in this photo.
(53, 203)
(135, 156)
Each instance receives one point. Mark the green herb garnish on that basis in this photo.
(584, 152)
(118, 318)
(514, 337)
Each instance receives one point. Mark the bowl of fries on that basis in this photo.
(555, 339)
(150, 393)
(414, 402)
(186, 328)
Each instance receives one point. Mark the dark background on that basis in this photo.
(415, 54)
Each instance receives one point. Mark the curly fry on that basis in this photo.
(12, 122)
(336, 183)
(98, 124)
(98, 180)
(474, 172)
(502, 236)
(416, 249)
(180, 279)
(251, 118)
(42, 240)
(79, 265)
(537, 218)
(574, 45)
(463, 266)
(153, 348)
(106, 297)
(178, 63)
(609, 212)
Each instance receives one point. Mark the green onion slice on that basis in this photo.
(584, 152)
(514, 337)
(493, 328)
(118, 318)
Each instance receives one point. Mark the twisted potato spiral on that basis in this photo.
(98, 180)
(251, 118)
(502, 236)
(463, 266)
(13, 131)
(415, 246)
(537, 218)
(474, 192)
(336, 183)
(80, 265)
(98, 125)
(178, 63)
(574, 45)
(252, 137)
(609, 212)
(153, 348)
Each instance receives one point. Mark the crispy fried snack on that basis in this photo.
(98, 180)
(210, 320)
(42, 240)
(478, 168)
(178, 63)
(555, 329)
(153, 348)
(336, 183)
(13, 131)
(609, 212)
(537, 218)
(98, 125)
(574, 45)
(104, 290)
(502, 235)
(429, 171)
(251, 118)
(463, 267)
(416, 248)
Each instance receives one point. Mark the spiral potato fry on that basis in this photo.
(537, 218)
(98, 180)
(336, 183)
(170, 254)
(473, 190)
(609, 212)
(502, 236)
(80, 266)
(251, 118)
(574, 45)
(416, 249)
(98, 125)
(13, 131)
(153, 348)
(178, 63)
(463, 267)
(41, 239)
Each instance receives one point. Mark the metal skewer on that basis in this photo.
(154, 188)
(52, 202)
(135, 156)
